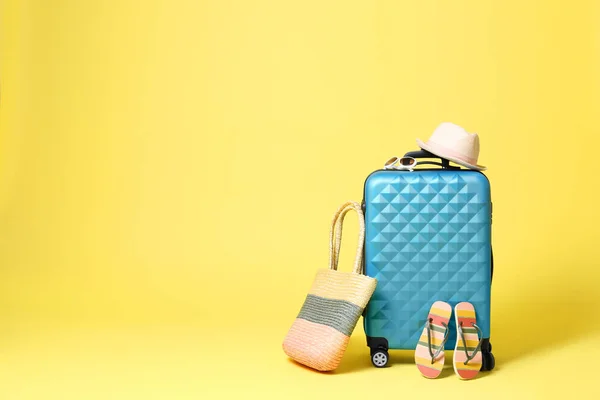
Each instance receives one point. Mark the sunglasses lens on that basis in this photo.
(391, 161)
(408, 161)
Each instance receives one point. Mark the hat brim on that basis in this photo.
(432, 150)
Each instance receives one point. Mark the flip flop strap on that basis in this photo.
(429, 325)
(462, 336)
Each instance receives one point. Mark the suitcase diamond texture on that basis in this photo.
(427, 239)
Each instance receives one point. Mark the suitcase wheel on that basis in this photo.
(489, 362)
(380, 358)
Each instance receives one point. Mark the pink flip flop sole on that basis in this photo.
(465, 316)
(438, 318)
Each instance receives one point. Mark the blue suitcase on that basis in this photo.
(428, 238)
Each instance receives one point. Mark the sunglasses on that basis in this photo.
(401, 163)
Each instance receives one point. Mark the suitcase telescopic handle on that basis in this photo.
(425, 154)
(420, 154)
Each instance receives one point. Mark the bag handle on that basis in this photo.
(335, 236)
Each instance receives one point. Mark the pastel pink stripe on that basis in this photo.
(423, 351)
(434, 334)
(318, 346)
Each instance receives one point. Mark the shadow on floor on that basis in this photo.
(356, 357)
(560, 306)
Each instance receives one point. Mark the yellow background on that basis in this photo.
(168, 171)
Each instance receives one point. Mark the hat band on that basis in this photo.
(452, 153)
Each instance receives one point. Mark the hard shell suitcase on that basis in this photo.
(428, 238)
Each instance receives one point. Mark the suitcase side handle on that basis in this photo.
(491, 265)
(445, 164)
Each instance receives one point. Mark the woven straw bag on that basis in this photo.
(320, 334)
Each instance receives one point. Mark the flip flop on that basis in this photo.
(429, 354)
(467, 359)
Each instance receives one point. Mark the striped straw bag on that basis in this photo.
(320, 334)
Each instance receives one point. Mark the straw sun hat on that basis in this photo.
(453, 143)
